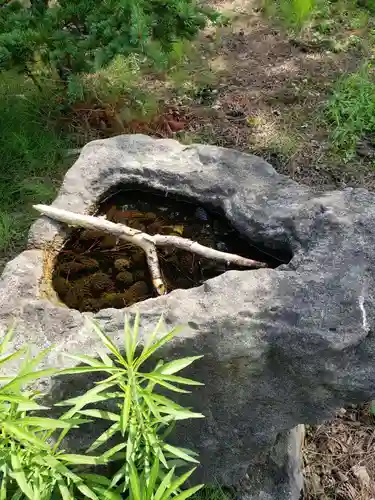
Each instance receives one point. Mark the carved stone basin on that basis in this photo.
(282, 346)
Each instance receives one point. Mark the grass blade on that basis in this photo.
(180, 414)
(125, 410)
(135, 487)
(88, 397)
(20, 399)
(22, 435)
(164, 485)
(179, 453)
(108, 454)
(105, 358)
(89, 369)
(4, 345)
(72, 458)
(50, 423)
(174, 378)
(13, 356)
(107, 342)
(177, 483)
(87, 360)
(188, 493)
(177, 365)
(157, 380)
(156, 345)
(106, 494)
(19, 475)
(29, 377)
(104, 414)
(64, 490)
(103, 438)
(151, 339)
(86, 491)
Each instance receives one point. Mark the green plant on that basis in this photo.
(31, 466)
(293, 13)
(33, 463)
(350, 110)
(213, 493)
(328, 22)
(82, 36)
(143, 418)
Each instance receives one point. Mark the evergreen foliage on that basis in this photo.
(83, 36)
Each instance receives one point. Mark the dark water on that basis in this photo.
(94, 272)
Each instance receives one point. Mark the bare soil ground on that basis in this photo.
(269, 90)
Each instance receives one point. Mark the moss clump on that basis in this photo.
(83, 284)
(116, 300)
(139, 275)
(71, 268)
(62, 286)
(88, 263)
(137, 292)
(91, 234)
(101, 282)
(75, 296)
(91, 305)
(125, 278)
(122, 264)
(108, 242)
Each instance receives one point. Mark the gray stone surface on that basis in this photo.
(279, 476)
(281, 346)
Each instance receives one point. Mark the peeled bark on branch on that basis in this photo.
(148, 243)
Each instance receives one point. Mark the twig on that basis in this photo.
(145, 241)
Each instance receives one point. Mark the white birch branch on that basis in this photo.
(146, 242)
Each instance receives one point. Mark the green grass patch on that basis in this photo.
(31, 156)
(212, 493)
(350, 111)
(320, 18)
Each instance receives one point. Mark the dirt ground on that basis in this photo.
(266, 99)
(339, 457)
